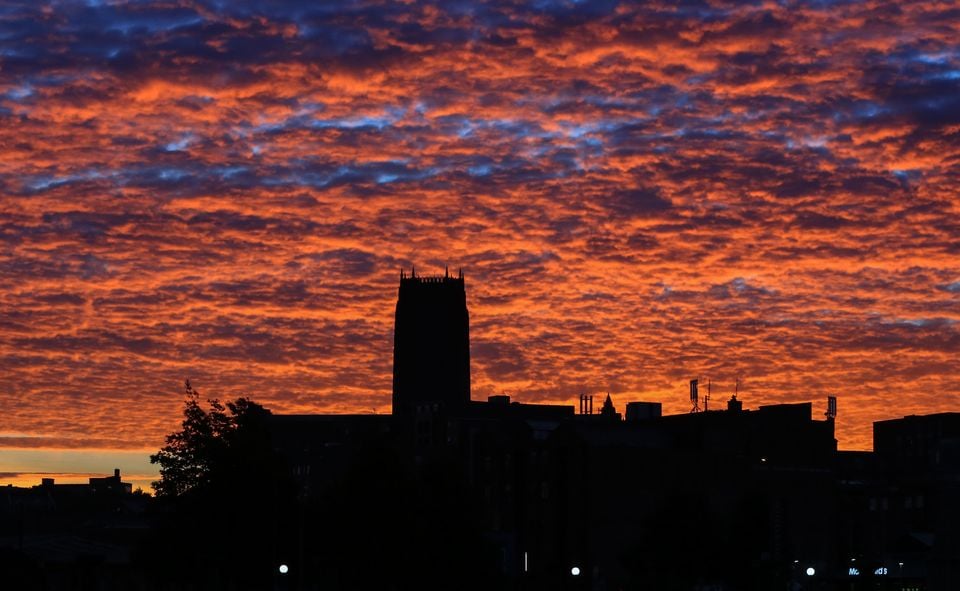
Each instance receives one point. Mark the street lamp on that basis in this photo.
(811, 571)
(284, 569)
(575, 571)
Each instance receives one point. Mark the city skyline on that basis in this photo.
(637, 197)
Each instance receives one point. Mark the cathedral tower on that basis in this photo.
(431, 344)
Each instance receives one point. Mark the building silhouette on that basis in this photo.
(563, 498)
(447, 492)
(431, 345)
(71, 536)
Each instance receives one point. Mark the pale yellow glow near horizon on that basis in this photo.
(26, 467)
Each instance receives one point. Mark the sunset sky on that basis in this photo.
(637, 195)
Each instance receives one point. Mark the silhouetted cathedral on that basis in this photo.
(431, 344)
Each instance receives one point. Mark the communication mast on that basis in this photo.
(831, 407)
(694, 395)
(734, 405)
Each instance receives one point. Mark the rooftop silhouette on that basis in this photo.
(730, 498)
(453, 493)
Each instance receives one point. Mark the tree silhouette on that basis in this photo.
(207, 444)
(222, 497)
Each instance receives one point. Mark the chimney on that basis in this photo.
(116, 473)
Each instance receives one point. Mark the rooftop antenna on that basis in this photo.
(734, 405)
(694, 395)
(706, 399)
(831, 407)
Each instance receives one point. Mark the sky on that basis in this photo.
(638, 194)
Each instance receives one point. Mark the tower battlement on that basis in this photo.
(414, 279)
(431, 279)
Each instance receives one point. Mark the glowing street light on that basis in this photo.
(284, 569)
(575, 571)
(811, 571)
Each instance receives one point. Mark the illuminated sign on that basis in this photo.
(853, 572)
(880, 571)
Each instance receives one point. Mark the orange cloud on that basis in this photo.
(637, 196)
